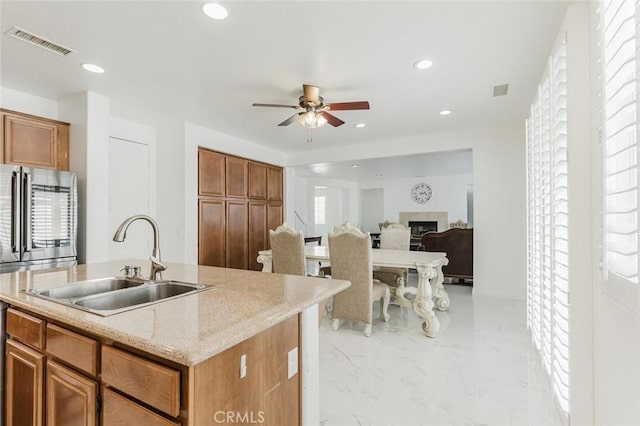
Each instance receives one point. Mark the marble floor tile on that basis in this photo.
(480, 370)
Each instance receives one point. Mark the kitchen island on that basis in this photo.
(179, 361)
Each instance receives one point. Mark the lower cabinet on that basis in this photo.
(120, 411)
(77, 380)
(71, 397)
(24, 385)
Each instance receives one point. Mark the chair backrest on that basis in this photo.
(458, 244)
(395, 237)
(287, 251)
(350, 257)
(459, 224)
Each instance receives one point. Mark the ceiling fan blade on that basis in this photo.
(311, 94)
(343, 106)
(289, 120)
(332, 119)
(276, 106)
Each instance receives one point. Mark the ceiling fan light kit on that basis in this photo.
(313, 112)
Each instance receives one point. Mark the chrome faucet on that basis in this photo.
(156, 264)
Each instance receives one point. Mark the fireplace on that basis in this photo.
(419, 227)
(440, 218)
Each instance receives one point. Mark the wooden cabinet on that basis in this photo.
(265, 395)
(274, 184)
(72, 399)
(140, 389)
(239, 200)
(72, 348)
(258, 237)
(274, 216)
(236, 177)
(257, 181)
(211, 173)
(24, 385)
(211, 232)
(33, 141)
(237, 235)
(25, 328)
(120, 411)
(135, 376)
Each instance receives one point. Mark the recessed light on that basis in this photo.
(445, 112)
(93, 68)
(354, 166)
(360, 125)
(215, 11)
(423, 64)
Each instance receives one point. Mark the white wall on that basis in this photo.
(371, 209)
(449, 195)
(499, 200)
(29, 104)
(196, 136)
(88, 114)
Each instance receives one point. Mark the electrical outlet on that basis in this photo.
(243, 365)
(293, 363)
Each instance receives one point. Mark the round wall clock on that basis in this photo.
(421, 193)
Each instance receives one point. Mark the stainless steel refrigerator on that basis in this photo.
(38, 218)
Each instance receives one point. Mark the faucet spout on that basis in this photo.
(156, 264)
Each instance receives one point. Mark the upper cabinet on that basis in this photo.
(274, 184)
(32, 141)
(257, 180)
(211, 172)
(236, 177)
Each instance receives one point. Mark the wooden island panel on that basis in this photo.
(264, 396)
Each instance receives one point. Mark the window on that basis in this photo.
(319, 203)
(619, 136)
(548, 226)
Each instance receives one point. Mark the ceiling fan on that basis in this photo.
(313, 112)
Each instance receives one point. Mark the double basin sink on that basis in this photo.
(108, 296)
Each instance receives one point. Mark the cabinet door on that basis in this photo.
(71, 397)
(257, 181)
(274, 183)
(236, 235)
(257, 232)
(33, 142)
(211, 173)
(236, 177)
(211, 233)
(274, 217)
(23, 385)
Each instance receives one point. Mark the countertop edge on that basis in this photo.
(224, 340)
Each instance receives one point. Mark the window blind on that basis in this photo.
(618, 27)
(547, 224)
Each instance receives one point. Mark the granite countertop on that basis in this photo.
(188, 329)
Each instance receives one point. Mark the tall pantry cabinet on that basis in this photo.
(239, 200)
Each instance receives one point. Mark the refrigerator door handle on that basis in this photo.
(15, 211)
(27, 212)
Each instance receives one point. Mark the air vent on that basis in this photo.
(500, 90)
(36, 40)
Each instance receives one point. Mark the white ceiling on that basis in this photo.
(168, 59)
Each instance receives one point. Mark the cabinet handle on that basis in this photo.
(27, 212)
(15, 211)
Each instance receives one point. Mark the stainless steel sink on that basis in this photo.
(87, 288)
(145, 294)
(110, 296)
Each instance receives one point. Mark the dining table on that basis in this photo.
(421, 299)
